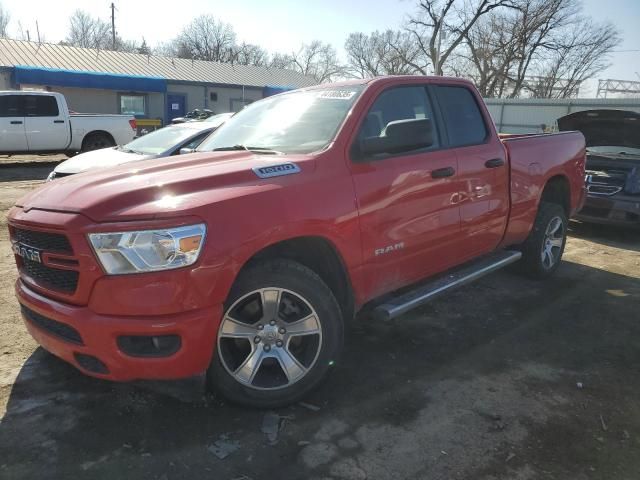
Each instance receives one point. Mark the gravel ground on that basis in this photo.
(504, 379)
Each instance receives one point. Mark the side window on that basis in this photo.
(40, 106)
(399, 103)
(11, 106)
(462, 116)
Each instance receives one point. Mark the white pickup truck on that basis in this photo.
(40, 122)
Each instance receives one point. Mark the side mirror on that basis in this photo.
(399, 136)
(184, 151)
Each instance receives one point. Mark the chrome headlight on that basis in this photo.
(148, 250)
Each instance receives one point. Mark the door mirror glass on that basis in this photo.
(400, 136)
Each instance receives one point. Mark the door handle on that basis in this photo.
(16, 122)
(494, 163)
(443, 172)
(58, 121)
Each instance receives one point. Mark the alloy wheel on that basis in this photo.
(269, 339)
(552, 243)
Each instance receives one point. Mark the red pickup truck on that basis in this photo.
(245, 260)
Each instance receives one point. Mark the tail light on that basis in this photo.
(134, 123)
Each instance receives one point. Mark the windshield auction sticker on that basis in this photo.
(337, 94)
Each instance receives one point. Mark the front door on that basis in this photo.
(176, 106)
(46, 127)
(482, 169)
(407, 203)
(12, 134)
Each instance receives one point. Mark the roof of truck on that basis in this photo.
(391, 78)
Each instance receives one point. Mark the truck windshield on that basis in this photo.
(296, 122)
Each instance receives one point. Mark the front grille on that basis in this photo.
(48, 242)
(598, 189)
(59, 329)
(605, 182)
(57, 279)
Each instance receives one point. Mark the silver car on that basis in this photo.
(164, 142)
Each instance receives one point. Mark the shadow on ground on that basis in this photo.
(480, 384)
(25, 171)
(613, 236)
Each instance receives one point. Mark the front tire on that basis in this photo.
(281, 331)
(543, 249)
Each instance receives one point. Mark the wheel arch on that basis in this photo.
(318, 254)
(557, 189)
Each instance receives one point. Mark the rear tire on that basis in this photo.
(543, 249)
(96, 141)
(281, 332)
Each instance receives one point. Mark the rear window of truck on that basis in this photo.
(462, 116)
(40, 106)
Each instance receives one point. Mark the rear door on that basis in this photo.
(12, 132)
(407, 207)
(46, 127)
(482, 168)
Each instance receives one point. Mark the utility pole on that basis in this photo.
(113, 25)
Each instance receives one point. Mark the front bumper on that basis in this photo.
(197, 330)
(623, 210)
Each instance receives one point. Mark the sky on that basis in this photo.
(283, 25)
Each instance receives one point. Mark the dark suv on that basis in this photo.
(613, 165)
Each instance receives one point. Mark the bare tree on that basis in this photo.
(144, 48)
(577, 55)
(128, 46)
(318, 60)
(440, 26)
(88, 32)
(281, 60)
(384, 53)
(250, 54)
(537, 22)
(4, 21)
(543, 48)
(488, 54)
(206, 38)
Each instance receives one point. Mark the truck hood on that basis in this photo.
(618, 128)
(174, 187)
(105, 157)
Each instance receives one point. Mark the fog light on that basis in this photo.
(149, 346)
(91, 363)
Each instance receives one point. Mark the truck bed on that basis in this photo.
(534, 159)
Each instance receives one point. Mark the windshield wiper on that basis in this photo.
(262, 150)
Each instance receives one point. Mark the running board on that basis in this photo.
(459, 277)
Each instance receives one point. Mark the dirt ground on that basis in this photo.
(504, 379)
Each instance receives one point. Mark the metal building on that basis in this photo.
(148, 86)
(536, 115)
